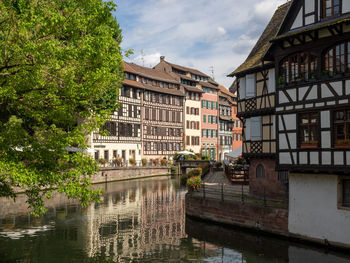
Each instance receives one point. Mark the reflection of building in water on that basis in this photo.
(113, 226)
(130, 222)
(162, 216)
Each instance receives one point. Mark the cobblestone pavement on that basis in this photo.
(218, 178)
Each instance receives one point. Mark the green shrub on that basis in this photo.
(144, 161)
(163, 162)
(173, 170)
(205, 157)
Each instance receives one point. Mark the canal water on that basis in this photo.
(137, 221)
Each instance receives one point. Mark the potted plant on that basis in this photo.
(144, 161)
(102, 162)
(132, 161)
(163, 162)
(155, 161)
(194, 183)
(118, 161)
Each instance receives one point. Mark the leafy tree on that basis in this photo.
(60, 70)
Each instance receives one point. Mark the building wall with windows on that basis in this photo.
(312, 117)
(121, 134)
(192, 121)
(209, 121)
(256, 90)
(192, 82)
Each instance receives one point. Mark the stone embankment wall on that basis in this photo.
(118, 174)
(257, 217)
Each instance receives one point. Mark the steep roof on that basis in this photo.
(226, 91)
(151, 73)
(254, 59)
(208, 85)
(191, 70)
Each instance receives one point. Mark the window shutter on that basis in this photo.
(250, 86)
(242, 88)
(272, 82)
(247, 129)
(346, 192)
(256, 128)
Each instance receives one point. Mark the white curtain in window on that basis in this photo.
(250, 86)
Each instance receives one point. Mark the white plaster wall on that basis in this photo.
(191, 117)
(346, 6)
(119, 147)
(298, 22)
(299, 255)
(313, 208)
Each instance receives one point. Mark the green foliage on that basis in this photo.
(144, 161)
(206, 157)
(60, 71)
(173, 170)
(132, 161)
(194, 182)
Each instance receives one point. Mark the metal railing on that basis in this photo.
(236, 193)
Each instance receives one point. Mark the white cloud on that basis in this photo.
(196, 33)
(221, 30)
(148, 60)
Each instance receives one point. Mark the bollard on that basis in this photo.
(203, 190)
(222, 192)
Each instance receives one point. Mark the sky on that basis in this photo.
(213, 36)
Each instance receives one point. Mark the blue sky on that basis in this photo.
(194, 33)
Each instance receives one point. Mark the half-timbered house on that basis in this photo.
(162, 112)
(312, 58)
(256, 109)
(193, 93)
(226, 121)
(122, 131)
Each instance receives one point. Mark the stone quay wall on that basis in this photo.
(255, 217)
(128, 173)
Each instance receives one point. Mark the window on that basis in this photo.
(331, 8)
(283, 176)
(260, 171)
(309, 126)
(337, 59)
(97, 155)
(297, 67)
(342, 127)
(346, 192)
(204, 118)
(250, 86)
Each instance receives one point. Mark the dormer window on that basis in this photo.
(331, 8)
(298, 67)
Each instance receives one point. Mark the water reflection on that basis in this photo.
(137, 221)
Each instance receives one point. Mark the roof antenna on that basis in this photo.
(212, 72)
(143, 57)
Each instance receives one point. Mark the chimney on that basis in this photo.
(162, 58)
